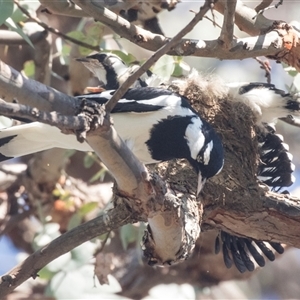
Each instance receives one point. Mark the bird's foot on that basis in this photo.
(94, 114)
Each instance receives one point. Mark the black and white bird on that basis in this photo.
(111, 70)
(266, 101)
(156, 124)
(268, 105)
(275, 168)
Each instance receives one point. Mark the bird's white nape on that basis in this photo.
(194, 136)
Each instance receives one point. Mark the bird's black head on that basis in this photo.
(107, 67)
(187, 136)
(207, 154)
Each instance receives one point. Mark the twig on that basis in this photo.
(163, 50)
(266, 7)
(100, 249)
(228, 23)
(55, 31)
(264, 4)
(265, 65)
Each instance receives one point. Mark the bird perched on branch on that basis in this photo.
(156, 124)
(266, 101)
(112, 71)
(275, 168)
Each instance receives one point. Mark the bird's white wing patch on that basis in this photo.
(206, 155)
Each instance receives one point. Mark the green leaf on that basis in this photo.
(31, 6)
(15, 27)
(77, 35)
(127, 58)
(177, 70)
(88, 160)
(128, 234)
(6, 10)
(164, 67)
(181, 69)
(292, 72)
(75, 220)
(99, 175)
(45, 274)
(95, 31)
(80, 36)
(29, 68)
(88, 207)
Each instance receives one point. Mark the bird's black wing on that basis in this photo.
(130, 102)
(257, 85)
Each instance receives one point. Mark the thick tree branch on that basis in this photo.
(245, 18)
(228, 23)
(15, 86)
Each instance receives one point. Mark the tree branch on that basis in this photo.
(53, 118)
(228, 23)
(245, 18)
(160, 52)
(109, 220)
(269, 43)
(264, 4)
(15, 86)
(53, 30)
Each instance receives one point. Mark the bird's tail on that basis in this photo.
(30, 138)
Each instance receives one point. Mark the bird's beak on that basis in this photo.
(201, 182)
(82, 59)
